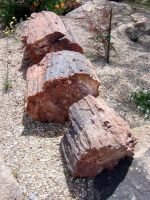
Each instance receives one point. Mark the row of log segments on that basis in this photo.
(61, 86)
(61, 75)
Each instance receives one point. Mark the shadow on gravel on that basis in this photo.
(26, 63)
(79, 188)
(40, 129)
(99, 188)
(106, 183)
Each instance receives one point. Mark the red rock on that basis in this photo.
(59, 80)
(45, 32)
(97, 139)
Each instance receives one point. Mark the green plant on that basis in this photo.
(22, 8)
(91, 55)
(142, 99)
(56, 6)
(13, 8)
(7, 84)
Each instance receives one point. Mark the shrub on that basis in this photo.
(13, 8)
(22, 8)
(99, 21)
(142, 99)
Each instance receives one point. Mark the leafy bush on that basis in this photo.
(142, 99)
(22, 8)
(12, 8)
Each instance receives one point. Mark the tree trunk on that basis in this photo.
(97, 138)
(45, 32)
(59, 80)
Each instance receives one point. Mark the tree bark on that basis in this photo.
(97, 139)
(45, 32)
(60, 79)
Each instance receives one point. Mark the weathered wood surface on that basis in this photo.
(97, 139)
(59, 80)
(45, 32)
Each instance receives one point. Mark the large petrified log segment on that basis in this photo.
(97, 139)
(59, 80)
(45, 32)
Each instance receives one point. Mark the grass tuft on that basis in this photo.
(142, 100)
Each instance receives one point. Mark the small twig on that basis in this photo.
(109, 38)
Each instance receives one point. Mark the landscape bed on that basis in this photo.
(31, 149)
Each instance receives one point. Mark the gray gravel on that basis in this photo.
(30, 149)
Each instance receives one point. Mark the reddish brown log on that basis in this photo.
(59, 80)
(97, 139)
(45, 32)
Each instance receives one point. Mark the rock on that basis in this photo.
(128, 180)
(140, 25)
(79, 13)
(135, 30)
(9, 188)
(121, 11)
(45, 32)
(144, 18)
(59, 80)
(97, 139)
(143, 135)
(33, 197)
(136, 17)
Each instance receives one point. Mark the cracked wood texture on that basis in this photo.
(58, 81)
(45, 32)
(97, 139)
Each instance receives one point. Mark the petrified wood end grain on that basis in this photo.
(98, 138)
(59, 80)
(45, 32)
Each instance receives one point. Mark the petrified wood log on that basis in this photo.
(45, 32)
(97, 138)
(60, 79)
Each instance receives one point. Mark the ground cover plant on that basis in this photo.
(142, 99)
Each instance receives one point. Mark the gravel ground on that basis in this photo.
(31, 149)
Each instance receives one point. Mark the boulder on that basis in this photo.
(139, 26)
(97, 139)
(140, 17)
(129, 179)
(58, 81)
(134, 30)
(94, 9)
(45, 32)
